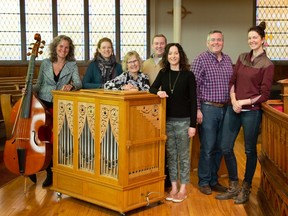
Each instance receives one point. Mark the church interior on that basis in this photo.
(136, 187)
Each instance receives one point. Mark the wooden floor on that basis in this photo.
(38, 201)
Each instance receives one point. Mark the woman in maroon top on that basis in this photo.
(249, 86)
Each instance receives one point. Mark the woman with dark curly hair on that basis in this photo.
(178, 85)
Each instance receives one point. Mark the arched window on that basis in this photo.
(85, 21)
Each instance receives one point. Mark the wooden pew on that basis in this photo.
(8, 97)
(16, 86)
(10, 86)
(7, 101)
(15, 91)
(13, 82)
(9, 91)
(16, 78)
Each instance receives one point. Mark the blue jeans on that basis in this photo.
(210, 132)
(250, 121)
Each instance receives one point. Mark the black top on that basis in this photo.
(182, 103)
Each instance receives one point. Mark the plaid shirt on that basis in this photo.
(212, 77)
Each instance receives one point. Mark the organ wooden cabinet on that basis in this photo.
(109, 147)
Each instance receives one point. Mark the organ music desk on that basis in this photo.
(109, 147)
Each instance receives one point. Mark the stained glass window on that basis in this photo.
(85, 21)
(10, 32)
(102, 22)
(38, 18)
(133, 22)
(275, 14)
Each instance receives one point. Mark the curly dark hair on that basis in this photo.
(55, 43)
(184, 65)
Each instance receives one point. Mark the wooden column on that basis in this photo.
(177, 21)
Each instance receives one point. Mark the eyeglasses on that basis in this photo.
(132, 62)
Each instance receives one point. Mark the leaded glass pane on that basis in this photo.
(275, 14)
(71, 23)
(10, 38)
(39, 20)
(133, 27)
(101, 23)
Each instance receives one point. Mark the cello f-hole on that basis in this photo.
(34, 138)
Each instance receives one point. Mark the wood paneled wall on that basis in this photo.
(21, 70)
(281, 71)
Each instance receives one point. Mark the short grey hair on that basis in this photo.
(214, 31)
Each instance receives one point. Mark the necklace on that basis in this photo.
(170, 84)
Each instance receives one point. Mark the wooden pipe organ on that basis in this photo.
(109, 147)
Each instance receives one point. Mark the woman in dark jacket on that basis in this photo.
(103, 67)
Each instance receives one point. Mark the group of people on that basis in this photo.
(211, 96)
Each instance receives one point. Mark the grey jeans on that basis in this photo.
(178, 149)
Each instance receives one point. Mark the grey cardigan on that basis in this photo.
(45, 82)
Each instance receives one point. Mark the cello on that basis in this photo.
(29, 150)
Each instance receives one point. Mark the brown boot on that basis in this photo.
(232, 191)
(243, 196)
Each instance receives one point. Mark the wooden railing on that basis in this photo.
(273, 191)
